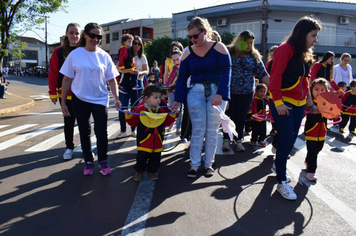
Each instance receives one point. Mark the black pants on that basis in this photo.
(147, 161)
(128, 81)
(83, 110)
(259, 130)
(345, 119)
(186, 123)
(238, 109)
(248, 123)
(313, 147)
(69, 125)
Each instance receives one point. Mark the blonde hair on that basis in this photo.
(201, 24)
(216, 33)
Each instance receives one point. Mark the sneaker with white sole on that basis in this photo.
(253, 143)
(121, 135)
(68, 154)
(286, 191)
(262, 143)
(105, 169)
(239, 147)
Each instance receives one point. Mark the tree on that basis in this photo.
(227, 37)
(22, 15)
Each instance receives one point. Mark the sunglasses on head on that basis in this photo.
(194, 35)
(92, 36)
(136, 43)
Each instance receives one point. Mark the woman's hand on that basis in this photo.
(216, 100)
(283, 110)
(65, 110)
(118, 104)
(175, 106)
(54, 100)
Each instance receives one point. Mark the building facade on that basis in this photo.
(338, 22)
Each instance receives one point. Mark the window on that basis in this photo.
(327, 35)
(115, 36)
(107, 38)
(146, 34)
(254, 27)
(30, 55)
(182, 33)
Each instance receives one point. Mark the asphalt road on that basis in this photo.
(41, 194)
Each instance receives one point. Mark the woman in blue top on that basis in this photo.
(208, 65)
(246, 66)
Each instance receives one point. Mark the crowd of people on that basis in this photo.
(187, 87)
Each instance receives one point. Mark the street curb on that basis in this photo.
(18, 108)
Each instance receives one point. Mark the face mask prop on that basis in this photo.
(329, 105)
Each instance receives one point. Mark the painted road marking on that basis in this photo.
(17, 129)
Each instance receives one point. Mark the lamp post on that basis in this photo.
(265, 6)
(46, 45)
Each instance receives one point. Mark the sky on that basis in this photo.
(105, 11)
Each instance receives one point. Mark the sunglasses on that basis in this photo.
(136, 43)
(92, 36)
(194, 35)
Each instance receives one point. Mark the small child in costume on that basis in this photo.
(349, 109)
(315, 129)
(258, 107)
(126, 62)
(150, 131)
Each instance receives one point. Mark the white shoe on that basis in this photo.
(286, 191)
(121, 135)
(68, 154)
(274, 171)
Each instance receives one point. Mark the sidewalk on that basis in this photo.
(14, 103)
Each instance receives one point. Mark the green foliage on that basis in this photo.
(16, 49)
(227, 37)
(23, 15)
(159, 48)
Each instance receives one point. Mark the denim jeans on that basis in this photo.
(131, 96)
(205, 124)
(179, 118)
(2, 91)
(83, 110)
(287, 127)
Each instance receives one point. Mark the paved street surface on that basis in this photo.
(41, 194)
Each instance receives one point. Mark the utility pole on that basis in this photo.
(46, 45)
(265, 6)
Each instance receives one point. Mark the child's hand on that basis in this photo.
(268, 119)
(126, 112)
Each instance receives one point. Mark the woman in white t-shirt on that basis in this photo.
(86, 71)
(343, 71)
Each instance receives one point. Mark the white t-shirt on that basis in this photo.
(90, 72)
(139, 62)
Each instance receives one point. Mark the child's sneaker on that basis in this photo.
(105, 169)
(122, 90)
(286, 191)
(226, 145)
(239, 147)
(137, 88)
(246, 133)
(274, 150)
(262, 143)
(89, 168)
(152, 176)
(253, 143)
(312, 177)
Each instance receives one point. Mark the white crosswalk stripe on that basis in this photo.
(17, 129)
(3, 126)
(26, 136)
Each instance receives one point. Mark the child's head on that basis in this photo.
(151, 75)
(126, 40)
(271, 52)
(342, 85)
(261, 90)
(353, 86)
(318, 86)
(176, 57)
(152, 95)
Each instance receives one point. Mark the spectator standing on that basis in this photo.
(55, 79)
(343, 71)
(87, 70)
(168, 64)
(155, 71)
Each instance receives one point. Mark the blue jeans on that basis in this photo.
(131, 96)
(2, 91)
(179, 118)
(287, 131)
(205, 124)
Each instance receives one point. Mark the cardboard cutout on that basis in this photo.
(329, 105)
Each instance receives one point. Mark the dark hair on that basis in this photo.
(152, 88)
(175, 52)
(87, 29)
(66, 46)
(320, 81)
(342, 84)
(326, 56)
(234, 49)
(175, 44)
(353, 83)
(272, 49)
(140, 52)
(126, 37)
(151, 74)
(261, 86)
(298, 36)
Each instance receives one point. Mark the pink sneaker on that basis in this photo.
(105, 169)
(312, 177)
(89, 168)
